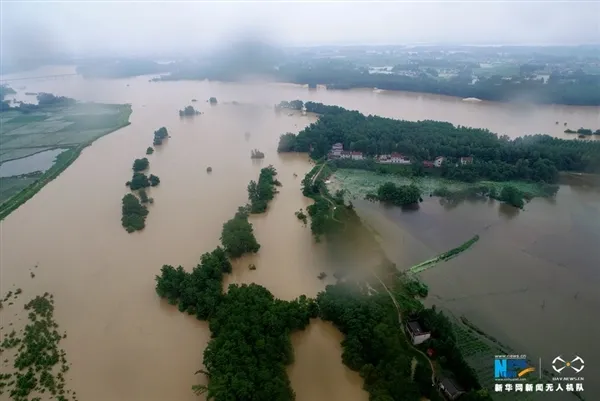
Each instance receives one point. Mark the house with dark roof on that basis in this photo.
(417, 333)
(428, 164)
(450, 389)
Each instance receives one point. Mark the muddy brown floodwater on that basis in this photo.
(123, 341)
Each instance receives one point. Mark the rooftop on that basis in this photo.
(416, 328)
(450, 386)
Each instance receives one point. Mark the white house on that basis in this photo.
(356, 155)
(438, 161)
(303, 110)
(417, 333)
(345, 154)
(398, 158)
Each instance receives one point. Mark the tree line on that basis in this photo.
(497, 158)
(577, 89)
(250, 344)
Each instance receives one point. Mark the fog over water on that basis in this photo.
(144, 28)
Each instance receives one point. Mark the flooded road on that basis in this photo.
(125, 343)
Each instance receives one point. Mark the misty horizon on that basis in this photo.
(84, 28)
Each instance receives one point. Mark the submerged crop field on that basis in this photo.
(70, 127)
(358, 183)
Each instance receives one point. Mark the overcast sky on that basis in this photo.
(142, 27)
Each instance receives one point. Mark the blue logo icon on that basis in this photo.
(511, 368)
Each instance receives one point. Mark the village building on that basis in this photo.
(337, 149)
(450, 389)
(438, 161)
(356, 155)
(428, 164)
(394, 158)
(466, 160)
(303, 110)
(417, 333)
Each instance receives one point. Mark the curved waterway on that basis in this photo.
(123, 341)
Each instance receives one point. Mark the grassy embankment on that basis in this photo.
(443, 257)
(76, 130)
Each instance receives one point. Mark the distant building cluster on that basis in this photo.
(338, 152)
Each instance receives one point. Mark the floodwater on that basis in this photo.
(123, 341)
(531, 280)
(38, 162)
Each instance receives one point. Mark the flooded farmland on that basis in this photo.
(125, 343)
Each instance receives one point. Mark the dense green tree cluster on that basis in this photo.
(535, 157)
(141, 164)
(149, 150)
(261, 193)
(153, 180)
(250, 347)
(188, 111)
(48, 99)
(159, 135)
(513, 196)
(141, 180)
(399, 195)
(212, 100)
(443, 341)
(237, 235)
(373, 343)
(199, 292)
(134, 213)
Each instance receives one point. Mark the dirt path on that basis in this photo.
(400, 322)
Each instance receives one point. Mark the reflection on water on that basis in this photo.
(38, 162)
(125, 343)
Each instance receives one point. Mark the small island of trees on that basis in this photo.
(237, 235)
(159, 135)
(583, 131)
(189, 111)
(261, 193)
(398, 195)
(134, 214)
(149, 150)
(212, 100)
(141, 164)
(257, 154)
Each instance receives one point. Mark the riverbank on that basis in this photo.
(71, 125)
(63, 161)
